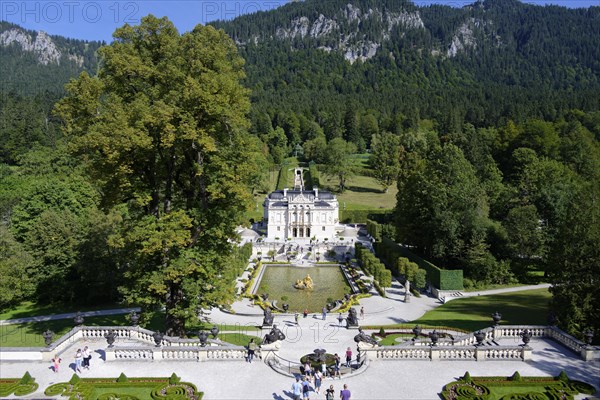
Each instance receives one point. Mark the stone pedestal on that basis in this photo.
(434, 353)
(480, 354)
(109, 355)
(526, 353)
(157, 353)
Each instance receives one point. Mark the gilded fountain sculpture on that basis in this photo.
(304, 284)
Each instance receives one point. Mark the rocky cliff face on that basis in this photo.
(344, 31)
(42, 46)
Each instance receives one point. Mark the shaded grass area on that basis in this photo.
(30, 334)
(363, 193)
(238, 339)
(528, 307)
(31, 309)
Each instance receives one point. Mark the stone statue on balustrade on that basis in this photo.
(273, 336)
(364, 338)
(352, 319)
(268, 317)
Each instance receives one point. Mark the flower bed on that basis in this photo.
(515, 387)
(125, 388)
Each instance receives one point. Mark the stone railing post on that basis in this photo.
(109, 354)
(157, 353)
(526, 353)
(434, 353)
(480, 354)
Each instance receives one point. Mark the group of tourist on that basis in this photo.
(301, 389)
(82, 360)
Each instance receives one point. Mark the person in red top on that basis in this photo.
(349, 357)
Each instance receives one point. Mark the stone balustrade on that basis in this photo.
(461, 348)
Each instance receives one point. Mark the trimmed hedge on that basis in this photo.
(443, 279)
(361, 216)
(282, 180)
(312, 177)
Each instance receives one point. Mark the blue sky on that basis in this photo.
(97, 19)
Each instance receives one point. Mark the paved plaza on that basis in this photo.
(381, 379)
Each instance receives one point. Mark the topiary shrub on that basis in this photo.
(122, 378)
(563, 376)
(382, 332)
(174, 379)
(74, 379)
(467, 377)
(26, 379)
(516, 377)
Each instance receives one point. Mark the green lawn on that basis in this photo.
(528, 307)
(239, 339)
(363, 193)
(30, 309)
(390, 340)
(30, 334)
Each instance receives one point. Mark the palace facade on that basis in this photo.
(300, 214)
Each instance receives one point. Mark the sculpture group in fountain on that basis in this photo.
(304, 284)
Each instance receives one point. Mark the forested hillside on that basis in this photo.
(482, 64)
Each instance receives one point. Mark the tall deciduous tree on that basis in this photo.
(339, 161)
(161, 128)
(574, 265)
(385, 158)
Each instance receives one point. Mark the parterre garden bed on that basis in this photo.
(18, 386)
(515, 387)
(125, 388)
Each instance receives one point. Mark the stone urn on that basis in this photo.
(78, 319)
(134, 318)
(526, 336)
(158, 337)
(480, 337)
(588, 334)
(110, 337)
(416, 331)
(203, 336)
(214, 331)
(48, 335)
(434, 338)
(496, 317)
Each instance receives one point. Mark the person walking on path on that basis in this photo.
(330, 393)
(324, 370)
(336, 366)
(348, 357)
(318, 380)
(324, 312)
(307, 370)
(362, 313)
(305, 312)
(306, 389)
(56, 362)
(345, 393)
(297, 317)
(78, 360)
(86, 357)
(297, 389)
(251, 349)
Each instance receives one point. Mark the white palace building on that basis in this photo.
(300, 214)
